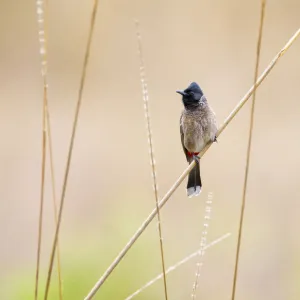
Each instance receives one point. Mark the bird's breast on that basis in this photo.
(197, 130)
(193, 135)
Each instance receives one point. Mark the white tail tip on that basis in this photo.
(193, 191)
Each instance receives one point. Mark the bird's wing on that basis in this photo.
(182, 140)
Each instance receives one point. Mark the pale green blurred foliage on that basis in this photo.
(109, 192)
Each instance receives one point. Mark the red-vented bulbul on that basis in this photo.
(198, 126)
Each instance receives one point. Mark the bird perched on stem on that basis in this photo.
(198, 126)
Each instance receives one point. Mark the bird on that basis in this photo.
(198, 126)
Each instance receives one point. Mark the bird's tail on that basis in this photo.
(194, 181)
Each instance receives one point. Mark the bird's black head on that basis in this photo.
(191, 96)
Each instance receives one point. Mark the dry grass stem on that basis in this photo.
(43, 54)
(42, 12)
(40, 228)
(263, 5)
(150, 142)
(49, 139)
(54, 202)
(81, 88)
(145, 224)
(201, 252)
(178, 264)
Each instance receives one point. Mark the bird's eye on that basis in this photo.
(192, 93)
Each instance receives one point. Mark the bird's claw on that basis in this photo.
(215, 140)
(196, 158)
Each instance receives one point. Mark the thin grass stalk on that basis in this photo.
(170, 192)
(49, 139)
(54, 204)
(54, 201)
(199, 264)
(178, 264)
(43, 55)
(152, 160)
(258, 48)
(40, 228)
(79, 101)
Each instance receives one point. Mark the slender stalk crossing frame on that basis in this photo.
(81, 88)
(178, 264)
(49, 137)
(40, 228)
(150, 142)
(164, 200)
(260, 34)
(42, 13)
(201, 253)
(43, 55)
(49, 140)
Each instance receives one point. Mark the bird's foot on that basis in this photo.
(196, 158)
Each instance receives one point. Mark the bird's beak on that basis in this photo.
(181, 93)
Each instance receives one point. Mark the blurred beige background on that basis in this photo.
(109, 192)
